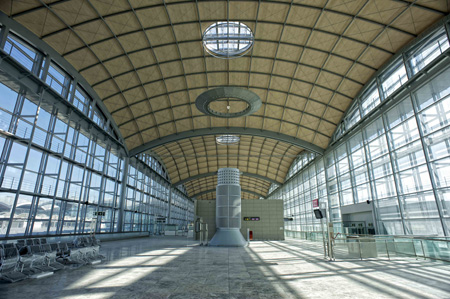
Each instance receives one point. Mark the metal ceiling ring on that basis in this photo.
(204, 100)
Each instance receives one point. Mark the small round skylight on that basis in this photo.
(227, 139)
(228, 39)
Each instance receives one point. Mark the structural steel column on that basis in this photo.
(126, 161)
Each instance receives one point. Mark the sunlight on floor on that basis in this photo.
(103, 295)
(173, 268)
(126, 271)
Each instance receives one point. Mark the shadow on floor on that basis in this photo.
(175, 267)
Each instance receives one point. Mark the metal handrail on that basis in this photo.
(434, 248)
(430, 238)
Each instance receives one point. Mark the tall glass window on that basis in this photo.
(400, 161)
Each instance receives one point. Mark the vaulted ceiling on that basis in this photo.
(146, 61)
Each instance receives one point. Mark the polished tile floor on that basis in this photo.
(174, 267)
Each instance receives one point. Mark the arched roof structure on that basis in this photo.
(146, 62)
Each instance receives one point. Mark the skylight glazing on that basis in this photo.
(228, 39)
(227, 139)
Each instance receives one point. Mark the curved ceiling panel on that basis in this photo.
(195, 156)
(211, 195)
(205, 188)
(146, 61)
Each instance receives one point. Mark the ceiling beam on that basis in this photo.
(231, 130)
(214, 190)
(204, 175)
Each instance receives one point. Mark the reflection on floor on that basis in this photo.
(173, 267)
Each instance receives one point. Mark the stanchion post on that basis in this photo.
(323, 240)
(330, 237)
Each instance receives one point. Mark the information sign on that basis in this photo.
(252, 218)
(315, 203)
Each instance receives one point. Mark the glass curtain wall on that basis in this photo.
(54, 175)
(399, 159)
(148, 196)
(55, 172)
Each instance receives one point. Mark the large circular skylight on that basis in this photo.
(228, 39)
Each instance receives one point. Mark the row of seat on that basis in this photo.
(33, 258)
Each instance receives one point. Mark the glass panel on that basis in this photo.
(415, 179)
(385, 187)
(370, 99)
(355, 142)
(360, 175)
(345, 181)
(381, 167)
(444, 198)
(378, 147)
(18, 153)
(335, 214)
(81, 100)
(21, 215)
(8, 98)
(436, 116)
(342, 166)
(393, 78)
(438, 144)
(420, 205)
(352, 118)
(408, 156)
(44, 208)
(391, 227)
(20, 51)
(341, 152)
(29, 181)
(424, 227)
(387, 208)
(363, 193)
(441, 172)
(404, 133)
(331, 172)
(399, 113)
(358, 157)
(6, 204)
(12, 177)
(433, 91)
(40, 227)
(332, 186)
(57, 79)
(374, 130)
(347, 197)
(428, 50)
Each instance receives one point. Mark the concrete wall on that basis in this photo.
(270, 227)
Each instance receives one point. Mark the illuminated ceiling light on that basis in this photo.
(228, 39)
(227, 139)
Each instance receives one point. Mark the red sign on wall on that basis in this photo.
(315, 203)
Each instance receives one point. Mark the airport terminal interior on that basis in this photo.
(224, 149)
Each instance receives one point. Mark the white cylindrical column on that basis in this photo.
(228, 209)
(228, 199)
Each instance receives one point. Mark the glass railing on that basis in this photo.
(391, 246)
(348, 246)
